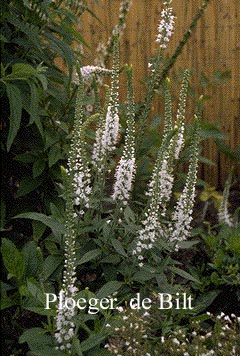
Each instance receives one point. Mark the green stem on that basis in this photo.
(148, 101)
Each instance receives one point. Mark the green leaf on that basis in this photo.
(100, 352)
(34, 106)
(155, 122)
(33, 289)
(55, 154)
(210, 130)
(32, 259)
(61, 48)
(163, 284)
(92, 341)
(108, 289)
(3, 69)
(118, 247)
(43, 80)
(26, 157)
(50, 138)
(222, 76)
(75, 33)
(206, 160)
(56, 226)
(206, 299)
(31, 335)
(129, 214)
(28, 305)
(183, 274)
(38, 229)
(51, 247)
(5, 287)
(112, 259)
(15, 103)
(90, 255)
(6, 302)
(234, 155)
(106, 231)
(27, 185)
(50, 265)
(12, 259)
(187, 244)
(204, 81)
(47, 351)
(40, 343)
(22, 71)
(76, 346)
(142, 276)
(57, 212)
(31, 31)
(86, 294)
(38, 167)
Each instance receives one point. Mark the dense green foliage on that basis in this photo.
(37, 94)
(37, 97)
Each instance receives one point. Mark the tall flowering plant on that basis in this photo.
(133, 235)
(223, 214)
(125, 225)
(77, 199)
(161, 183)
(107, 133)
(165, 32)
(180, 228)
(126, 168)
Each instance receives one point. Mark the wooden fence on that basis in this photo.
(214, 46)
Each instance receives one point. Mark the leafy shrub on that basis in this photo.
(36, 92)
(109, 241)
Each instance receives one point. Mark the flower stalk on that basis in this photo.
(78, 191)
(165, 31)
(125, 171)
(223, 214)
(108, 130)
(180, 225)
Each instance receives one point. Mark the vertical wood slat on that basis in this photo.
(214, 45)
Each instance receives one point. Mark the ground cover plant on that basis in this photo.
(110, 266)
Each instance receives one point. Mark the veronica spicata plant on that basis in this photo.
(165, 31)
(77, 195)
(81, 182)
(78, 183)
(126, 168)
(161, 183)
(180, 227)
(219, 335)
(223, 214)
(108, 232)
(108, 129)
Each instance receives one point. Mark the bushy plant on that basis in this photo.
(218, 269)
(37, 67)
(101, 243)
(203, 335)
(116, 236)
